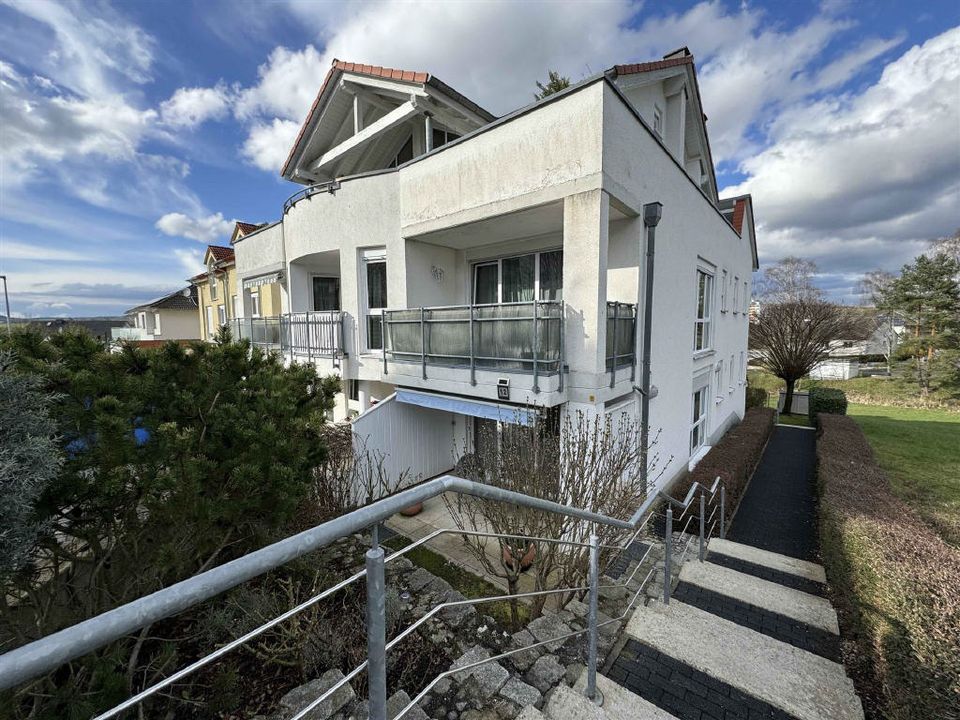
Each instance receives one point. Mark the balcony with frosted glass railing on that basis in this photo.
(471, 345)
(621, 341)
(312, 335)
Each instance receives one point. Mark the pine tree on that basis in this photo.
(555, 83)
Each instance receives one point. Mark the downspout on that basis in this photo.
(651, 217)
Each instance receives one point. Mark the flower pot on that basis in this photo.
(526, 561)
(412, 510)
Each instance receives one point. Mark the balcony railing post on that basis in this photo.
(592, 618)
(423, 344)
(376, 635)
(383, 337)
(536, 336)
(563, 329)
(473, 354)
(616, 323)
(667, 554)
(633, 344)
(723, 512)
(309, 338)
(703, 520)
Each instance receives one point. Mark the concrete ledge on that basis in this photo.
(567, 704)
(801, 684)
(803, 607)
(775, 561)
(621, 704)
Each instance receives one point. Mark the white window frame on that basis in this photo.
(707, 320)
(658, 120)
(214, 290)
(730, 373)
(723, 291)
(736, 294)
(746, 298)
(142, 320)
(221, 315)
(255, 303)
(237, 310)
(156, 323)
(743, 367)
(701, 422)
(499, 263)
(372, 255)
(210, 331)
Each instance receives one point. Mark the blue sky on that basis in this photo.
(132, 134)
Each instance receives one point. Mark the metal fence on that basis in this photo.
(312, 334)
(517, 337)
(44, 655)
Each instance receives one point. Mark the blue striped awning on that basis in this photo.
(511, 414)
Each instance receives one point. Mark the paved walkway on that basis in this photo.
(779, 511)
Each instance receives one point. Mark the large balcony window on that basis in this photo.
(519, 279)
(375, 276)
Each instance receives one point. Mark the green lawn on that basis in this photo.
(920, 452)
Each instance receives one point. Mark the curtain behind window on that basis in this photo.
(518, 279)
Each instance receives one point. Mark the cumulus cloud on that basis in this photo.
(268, 143)
(188, 107)
(864, 179)
(206, 229)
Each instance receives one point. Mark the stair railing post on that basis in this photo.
(592, 618)
(723, 512)
(667, 555)
(376, 635)
(703, 522)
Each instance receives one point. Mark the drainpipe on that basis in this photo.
(651, 217)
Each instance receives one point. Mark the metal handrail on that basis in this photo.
(47, 653)
(706, 494)
(329, 186)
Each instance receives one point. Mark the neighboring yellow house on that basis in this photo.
(263, 298)
(217, 297)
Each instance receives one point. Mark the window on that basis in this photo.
(702, 332)
(723, 292)
(255, 303)
(730, 388)
(442, 137)
(142, 320)
(658, 120)
(156, 323)
(235, 304)
(213, 284)
(326, 293)
(222, 314)
(405, 154)
(211, 330)
(353, 389)
(736, 295)
(519, 279)
(698, 427)
(376, 300)
(746, 298)
(718, 380)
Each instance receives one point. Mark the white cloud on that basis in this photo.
(288, 83)
(268, 144)
(190, 259)
(203, 229)
(189, 107)
(17, 250)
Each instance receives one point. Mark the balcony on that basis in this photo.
(312, 335)
(621, 339)
(519, 338)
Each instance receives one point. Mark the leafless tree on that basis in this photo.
(790, 280)
(790, 338)
(579, 461)
(949, 246)
(871, 289)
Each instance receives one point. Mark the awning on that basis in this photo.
(259, 280)
(511, 414)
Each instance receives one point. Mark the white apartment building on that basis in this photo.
(458, 269)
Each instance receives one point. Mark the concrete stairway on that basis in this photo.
(747, 634)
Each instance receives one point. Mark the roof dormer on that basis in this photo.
(370, 118)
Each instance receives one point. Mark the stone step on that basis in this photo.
(799, 683)
(565, 703)
(808, 609)
(530, 713)
(773, 561)
(621, 704)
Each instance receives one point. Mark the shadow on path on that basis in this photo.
(779, 511)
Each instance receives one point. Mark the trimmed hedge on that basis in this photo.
(734, 458)
(894, 583)
(756, 397)
(825, 400)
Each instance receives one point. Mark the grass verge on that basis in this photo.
(893, 581)
(920, 452)
(797, 420)
(461, 580)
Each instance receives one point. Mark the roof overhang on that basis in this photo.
(511, 414)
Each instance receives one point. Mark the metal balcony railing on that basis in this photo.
(621, 339)
(44, 655)
(312, 334)
(510, 337)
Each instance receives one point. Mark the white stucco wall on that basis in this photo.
(178, 325)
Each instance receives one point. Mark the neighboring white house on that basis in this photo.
(456, 268)
(171, 317)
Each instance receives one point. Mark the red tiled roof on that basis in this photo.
(247, 228)
(221, 254)
(381, 72)
(655, 65)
